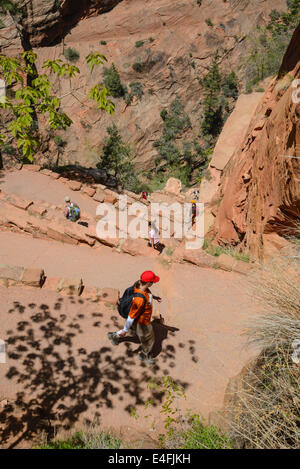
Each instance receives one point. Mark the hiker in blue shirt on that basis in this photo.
(72, 211)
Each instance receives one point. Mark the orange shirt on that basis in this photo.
(137, 306)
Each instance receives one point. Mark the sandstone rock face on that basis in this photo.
(233, 132)
(260, 190)
(173, 186)
(177, 30)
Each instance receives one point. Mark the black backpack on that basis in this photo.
(125, 302)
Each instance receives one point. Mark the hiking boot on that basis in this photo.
(114, 338)
(147, 360)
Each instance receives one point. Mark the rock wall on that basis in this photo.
(260, 190)
(181, 47)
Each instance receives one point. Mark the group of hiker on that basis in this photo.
(136, 304)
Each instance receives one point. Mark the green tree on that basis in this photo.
(212, 116)
(230, 85)
(35, 97)
(112, 81)
(117, 160)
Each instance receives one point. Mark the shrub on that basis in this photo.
(93, 438)
(137, 89)
(139, 43)
(209, 22)
(112, 81)
(189, 431)
(59, 141)
(213, 113)
(137, 67)
(230, 85)
(266, 411)
(117, 160)
(151, 39)
(103, 43)
(71, 54)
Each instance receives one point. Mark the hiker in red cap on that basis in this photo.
(136, 307)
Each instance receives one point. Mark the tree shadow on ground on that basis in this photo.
(62, 378)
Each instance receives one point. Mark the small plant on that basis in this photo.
(138, 67)
(169, 251)
(151, 39)
(112, 81)
(209, 22)
(59, 141)
(92, 438)
(139, 43)
(199, 2)
(71, 54)
(137, 89)
(260, 90)
(103, 43)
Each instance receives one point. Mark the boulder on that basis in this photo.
(74, 185)
(89, 191)
(135, 247)
(36, 209)
(231, 264)
(54, 175)
(99, 196)
(31, 167)
(46, 172)
(10, 273)
(57, 232)
(198, 257)
(173, 186)
(111, 198)
(64, 180)
(91, 293)
(19, 202)
(70, 286)
(78, 232)
(33, 277)
(109, 295)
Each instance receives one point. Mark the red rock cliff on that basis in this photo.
(260, 190)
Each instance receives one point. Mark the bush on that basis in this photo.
(138, 67)
(103, 43)
(267, 408)
(71, 54)
(117, 160)
(212, 122)
(112, 81)
(209, 22)
(93, 438)
(137, 89)
(139, 43)
(230, 85)
(59, 141)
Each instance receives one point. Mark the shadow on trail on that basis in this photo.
(61, 380)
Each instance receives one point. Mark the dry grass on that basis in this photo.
(266, 409)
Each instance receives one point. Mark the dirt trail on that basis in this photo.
(57, 347)
(39, 187)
